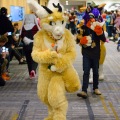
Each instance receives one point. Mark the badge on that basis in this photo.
(93, 44)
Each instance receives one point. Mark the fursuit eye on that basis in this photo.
(63, 22)
(52, 23)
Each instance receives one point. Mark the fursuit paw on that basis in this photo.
(54, 69)
(97, 27)
(86, 41)
(72, 89)
(54, 54)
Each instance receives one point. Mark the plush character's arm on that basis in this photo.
(86, 41)
(80, 31)
(79, 35)
(40, 56)
(64, 60)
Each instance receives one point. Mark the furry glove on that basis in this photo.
(27, 41)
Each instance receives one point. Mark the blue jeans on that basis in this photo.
(89, 63)
(109, 30)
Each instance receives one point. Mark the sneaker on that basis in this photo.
(82, 94)
(97, 92)
(32, 74)
(5, 76)
(90, 80)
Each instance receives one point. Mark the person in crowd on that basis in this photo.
(113, 15)
(15, 52)
(16, 34)
(109, 23)
(90, 42)
(6, 28)
(16, 28)
(66, 14)
(104, 14)
(3, 61)
(72, 25)
(118, 44)
(38, 19)
(18, 53)
(29, 29)
(117, 22)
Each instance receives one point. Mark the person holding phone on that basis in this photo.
(6, 29)
(3, 61)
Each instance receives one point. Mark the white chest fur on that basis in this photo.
(58, 43)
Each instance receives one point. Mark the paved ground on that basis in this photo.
(18, 99)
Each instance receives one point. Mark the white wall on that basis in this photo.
(70, 6)
(108, 3)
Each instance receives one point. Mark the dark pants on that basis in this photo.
(118, 47)
(2, 82)
(89, 63)
(8, 56)
(16, 53)
(30, 63)
(72, 27)
(109, 30)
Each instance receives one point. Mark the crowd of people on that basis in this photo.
(112, 24)
(91, 55)
(112, 19)
(18, 43)
(11, 38)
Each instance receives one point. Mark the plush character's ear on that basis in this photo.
(82, 9)
(57, 5)
(38, 9)
(47, 9)
(102, 5)
(89, 8)
(43, 11)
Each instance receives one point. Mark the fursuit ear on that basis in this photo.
(38, 9)
(90, 8)
(47, 9)
(58, 6)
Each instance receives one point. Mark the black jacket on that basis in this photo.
(92, 52)
(6, 26)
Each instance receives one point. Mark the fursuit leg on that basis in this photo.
(57, 98)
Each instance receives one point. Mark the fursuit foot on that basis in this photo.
(59, 117)
(48, 118)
